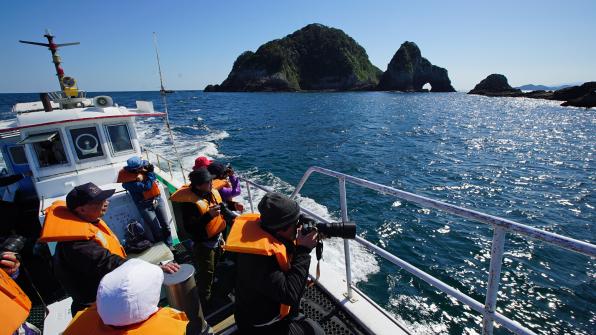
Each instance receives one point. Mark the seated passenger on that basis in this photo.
(127, 301)
(138, 178)
(87, 249)
(203, 218)
(201, 162)
(271, 269)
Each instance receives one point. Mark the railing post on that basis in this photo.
(494, 276)
(170, 169)
(158, 163)
(252, 210)
(344, 218)
(182, 170)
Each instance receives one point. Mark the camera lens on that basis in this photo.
(338, 229)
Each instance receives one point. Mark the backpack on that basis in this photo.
(136, 242)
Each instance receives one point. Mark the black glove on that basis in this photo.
(149, 167)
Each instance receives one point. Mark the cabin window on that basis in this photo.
(17, 154)
(119, 138)
(48, 148)
(86, 142)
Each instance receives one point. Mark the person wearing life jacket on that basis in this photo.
(228, 186)
(86, 248)
(126, 303)
(138, 178)
(14, 303)
(226, 183)
(203, 218)
(272, 262)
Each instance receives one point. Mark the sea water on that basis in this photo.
(527, 160)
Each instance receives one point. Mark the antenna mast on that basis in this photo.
(163, 92)
(55, 57)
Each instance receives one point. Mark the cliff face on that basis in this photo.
(409, 71)
(315, 57)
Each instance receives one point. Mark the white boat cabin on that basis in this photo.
(66, 147)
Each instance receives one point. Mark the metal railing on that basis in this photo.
(501, 227)
(170, 163)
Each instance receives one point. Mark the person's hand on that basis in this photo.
(170, 267)
(140, 177)
(214, 211)
(239, 207)
(230, 171)
(9, 262)
(308, 241)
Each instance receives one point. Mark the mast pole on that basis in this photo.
(162, 92)
(53, 47)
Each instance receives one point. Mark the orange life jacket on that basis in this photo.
(247, 237)
(166, 321)
(14, 305)
(185, 194)
(62, 225)
(218, 184)
(125, 176)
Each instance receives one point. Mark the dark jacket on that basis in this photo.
(195, 223)
(261, 286)
(80, 265)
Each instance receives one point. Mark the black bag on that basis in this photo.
(135, 238)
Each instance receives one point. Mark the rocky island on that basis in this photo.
(315, 57)
(408, 71)
(496, 85)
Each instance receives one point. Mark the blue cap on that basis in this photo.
(134, 163)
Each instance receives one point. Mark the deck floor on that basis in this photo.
(316, 303)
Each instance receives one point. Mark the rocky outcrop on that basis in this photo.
(315, 57)
(409, 71)
(578, 96)
(495, 85)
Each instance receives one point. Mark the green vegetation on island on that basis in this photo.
(315, 57)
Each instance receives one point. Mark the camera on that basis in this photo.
(13, 243)
(332, 229)
(149, 167)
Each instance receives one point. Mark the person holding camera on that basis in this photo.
(226, 183)
(87, 249)
(204, 218)
(138, 178)
(272, 262)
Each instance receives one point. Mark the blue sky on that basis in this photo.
(542, 42)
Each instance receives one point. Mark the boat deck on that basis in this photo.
(316, 304)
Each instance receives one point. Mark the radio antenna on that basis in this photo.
(163, 92)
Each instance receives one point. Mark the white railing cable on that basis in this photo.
(500, 225)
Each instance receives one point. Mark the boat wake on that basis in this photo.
(363, 263)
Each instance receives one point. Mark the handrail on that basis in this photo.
(169, 162)
(501, 227)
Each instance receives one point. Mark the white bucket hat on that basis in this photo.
(130, 293)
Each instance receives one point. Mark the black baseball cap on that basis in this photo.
(200, 176)
(278, 211)
(86, 193)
